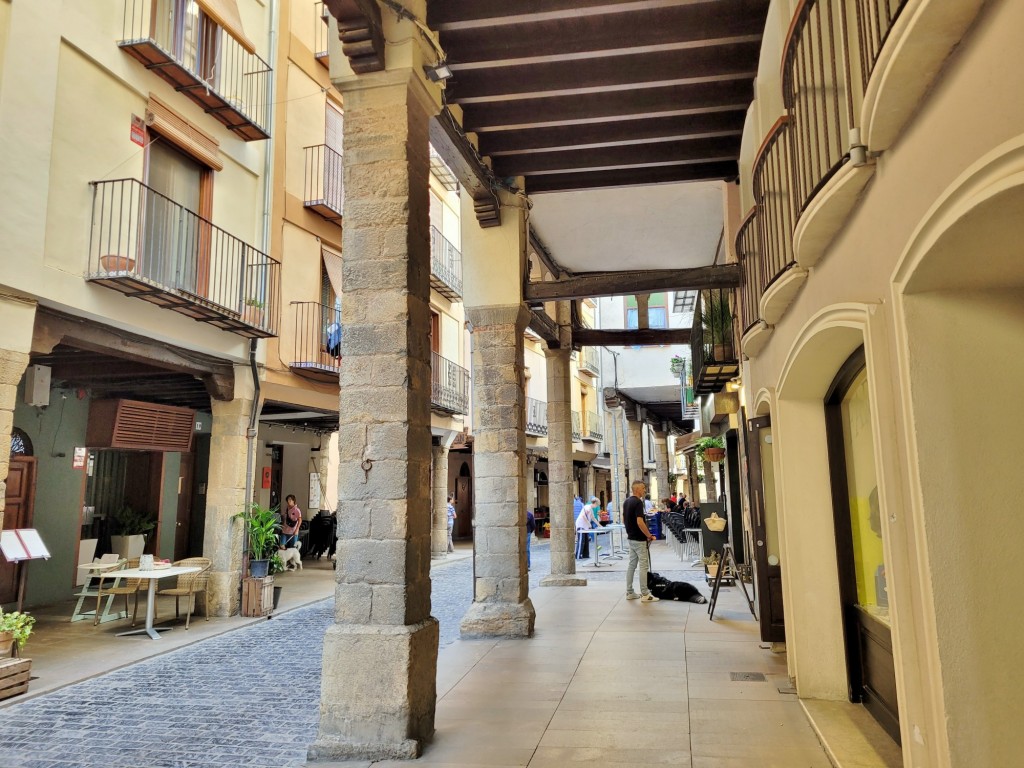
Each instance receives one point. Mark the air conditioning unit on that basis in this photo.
(37, 385)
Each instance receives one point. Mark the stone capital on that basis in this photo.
(499, 315)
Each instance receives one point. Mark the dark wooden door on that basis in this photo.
(768, 577)
(18, 500)
(181, 524)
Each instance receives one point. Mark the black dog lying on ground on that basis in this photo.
(664, 589)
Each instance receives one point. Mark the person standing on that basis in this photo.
(531, 526)
(640, 539)
(585, 521)
(291, 521)
(451, 521)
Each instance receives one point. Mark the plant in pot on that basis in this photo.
(276, 567)
(15, 627)
(711, 563)
(709, 449)
(676, 365)
(716, 319)
(128, 529)
(253, 312)
(261, 527)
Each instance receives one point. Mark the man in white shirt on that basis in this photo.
(585, 521)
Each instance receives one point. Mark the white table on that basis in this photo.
(596, 533)
(96, 569)
(154, 575)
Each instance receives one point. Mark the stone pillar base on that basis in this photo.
(439, 542)
(499, 619)
(389, 673)
(559, 580)
(225, 592)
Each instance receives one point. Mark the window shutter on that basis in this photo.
(225, 14)
(182, 133)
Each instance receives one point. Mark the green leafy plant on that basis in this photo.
(254, 302)
(716, 319)
(127, 522)
(261, 527)
(18, 624)
(713, 559)
(676, 365)
(276, 564)
(703, 444)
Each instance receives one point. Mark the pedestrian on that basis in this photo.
(585, 521)
(291, 521)
(640, 539)
(451, 521)
(531, 526)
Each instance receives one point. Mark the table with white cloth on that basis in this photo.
(153, 575)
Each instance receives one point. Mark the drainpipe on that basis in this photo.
(250, 436)
(268, 149)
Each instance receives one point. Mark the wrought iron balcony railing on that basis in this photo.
(536, 417)
(577, 426)
(445, 266)
(753, 282)
(321, 32)
(316, 353)
(713, 346)
(325, 189)
(773, 196)
(178, 41)
(145, 245)
(449, 385)
(594, 430)
(588, 361)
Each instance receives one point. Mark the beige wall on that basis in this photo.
(941, 320)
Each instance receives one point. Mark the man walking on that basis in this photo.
(639, 543)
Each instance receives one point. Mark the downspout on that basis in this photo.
(250, 437)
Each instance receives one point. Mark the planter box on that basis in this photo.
(14, 675)
(6, 645)
(128, 546)
(258, 596)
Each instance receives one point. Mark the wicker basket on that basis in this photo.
(715, 523)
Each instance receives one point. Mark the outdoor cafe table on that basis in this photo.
(154, 575)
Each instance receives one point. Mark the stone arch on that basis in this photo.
(959, 321)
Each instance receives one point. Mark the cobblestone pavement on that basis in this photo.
(249, 697)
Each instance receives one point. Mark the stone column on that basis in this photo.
(439, 489)
(17, 317)
(225, 495)
(563, 536)
(501, 603)
(661, 466)
(531, 485)
(634, 452)
(691, 478)
(378, 687)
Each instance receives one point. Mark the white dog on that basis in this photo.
(290, 558)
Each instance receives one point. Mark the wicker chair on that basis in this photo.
(190, 584)
(119, 586)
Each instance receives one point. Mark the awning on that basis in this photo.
(332, 263)
(225, 13)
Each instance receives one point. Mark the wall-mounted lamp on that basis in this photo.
(439, 72)
(734, 385)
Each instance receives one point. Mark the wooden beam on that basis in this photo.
(650, 337)
(361, 32)
(545, 327)
(538, 246)
(467, 14)
(460, 158)
(591, 285)
(625, 177)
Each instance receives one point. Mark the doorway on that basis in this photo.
(18, 500)
(764, 521)
(464, 503)
(863, 588)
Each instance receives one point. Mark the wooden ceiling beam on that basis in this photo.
(585, 34)
(623, 177)
(545, 327)
(606, 73)
(647, 337)
(662, 153)
(467, 14)
(588, 136)
(595, 284)
(455, 151)
(637, 104)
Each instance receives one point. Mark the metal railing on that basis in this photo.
(750, 261)
(774, 200)
(449, 385)
(536, 417)
(175, 258)
(577, 426)
(325, 188)
(446, 263)
(321, 31)
(875, 19)
(221, 73)
(594, 430)
(713, 347)
(317, 337)
(589, 360)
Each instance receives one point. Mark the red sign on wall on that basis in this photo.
(266, 477)
(138, 131)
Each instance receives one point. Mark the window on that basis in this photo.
(21, 445)
(657, 312)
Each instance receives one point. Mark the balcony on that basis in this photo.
(178, 41)
(321, 33)
(145, 245)
(325, 189)
(449, 386)
(593, 432)
(577, 426)
(536, 417)
(712, 346)
(445, 267)
(755, 331)
(588, 361)
(316, 352)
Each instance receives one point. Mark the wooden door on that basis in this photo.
(768, 576)
(181, 525)
(18, 500)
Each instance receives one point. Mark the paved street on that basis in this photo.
(246, 698)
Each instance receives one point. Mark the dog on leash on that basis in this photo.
(290, 558)
(665, 589)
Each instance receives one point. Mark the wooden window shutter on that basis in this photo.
(136, 425)
(225, 14)
(183, 134)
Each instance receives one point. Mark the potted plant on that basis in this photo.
(276, 567)
(716, 319)
(261, 527)
(709, 449)
(253, 312)
(676, 365)
(112, 262)
(15, 627)
(128, 530)
(711, 563)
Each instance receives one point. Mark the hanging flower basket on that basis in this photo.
(714, 454)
